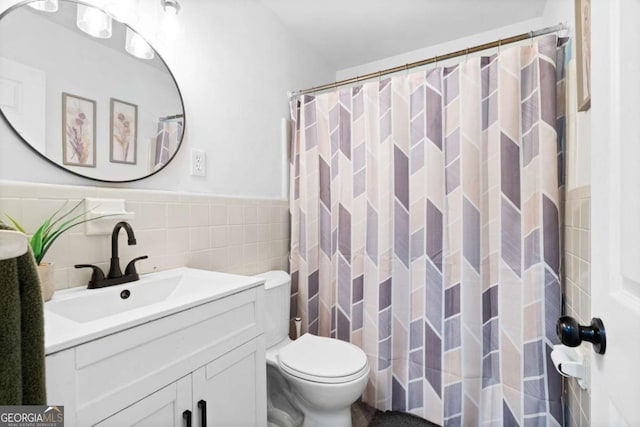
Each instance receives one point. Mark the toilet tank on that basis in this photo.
(277, 300)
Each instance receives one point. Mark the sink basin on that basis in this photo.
(78, 315)
(97, 304)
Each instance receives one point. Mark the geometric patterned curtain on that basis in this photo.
(425, 229)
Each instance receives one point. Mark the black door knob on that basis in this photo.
(572, 334)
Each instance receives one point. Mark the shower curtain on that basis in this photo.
(425, 230)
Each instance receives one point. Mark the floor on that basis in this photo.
(363, 415)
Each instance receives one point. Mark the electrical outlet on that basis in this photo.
(198, 163)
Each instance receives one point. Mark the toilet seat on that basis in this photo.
(323, 360)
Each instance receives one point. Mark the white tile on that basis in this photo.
(152, 215)
(235, 215)
(59, 253)
(235, 235)
(235, 254)
(275, 215)
(264, 232)
(199, 238)
(218, 236)
(177, 215)
(88, 249)
(583, 249)
(199, 215)
(13, 207)
(149, 242)
(283, 214)
(217, 215)
(36, 211)
(250, 234)
(249, 253)
(250, 214)
(250, 269)
(177, 240)
(264, 251)
(200, 259)
(61, 278)
(264, 214)
(278, 231)
(136, 210)
(220, 259)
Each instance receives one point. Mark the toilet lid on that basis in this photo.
(323, 359)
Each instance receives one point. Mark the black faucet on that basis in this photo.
(115, 276)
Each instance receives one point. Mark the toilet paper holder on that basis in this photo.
(570, 362)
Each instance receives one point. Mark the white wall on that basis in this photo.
(234, 63)
(556, 11)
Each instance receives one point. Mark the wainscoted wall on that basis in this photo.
(577, 276)
(235, 235)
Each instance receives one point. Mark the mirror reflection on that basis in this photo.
(87, 92)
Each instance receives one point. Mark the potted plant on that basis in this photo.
(44, 237)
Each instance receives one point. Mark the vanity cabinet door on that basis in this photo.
(233, 387)
(163, 408)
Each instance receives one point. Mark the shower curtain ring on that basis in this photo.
(499, 45)
(466, 55)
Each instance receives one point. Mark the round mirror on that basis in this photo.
(87, 92)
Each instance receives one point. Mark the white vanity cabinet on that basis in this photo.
(150, 374)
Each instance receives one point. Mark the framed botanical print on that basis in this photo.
(78, 131)
(123, 132)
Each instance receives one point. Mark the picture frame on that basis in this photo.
(123, 132)
(78, 131)
(583, 53)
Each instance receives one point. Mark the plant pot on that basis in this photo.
(45, 272)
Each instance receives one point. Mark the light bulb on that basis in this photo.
(94, 22)
(137, 46)
(44, 5)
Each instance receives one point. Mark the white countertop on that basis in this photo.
(78, 315)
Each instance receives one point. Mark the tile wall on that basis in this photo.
(577, 287)
(235, 235)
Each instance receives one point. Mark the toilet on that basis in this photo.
(326, 375)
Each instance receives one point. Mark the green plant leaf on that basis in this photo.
(61, 230)
(36, 241)
(15, 224)
(53, 223)
(53, 227)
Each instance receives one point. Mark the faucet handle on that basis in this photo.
(131, 267)
(97, 274)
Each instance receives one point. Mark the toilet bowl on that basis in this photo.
(326, 375)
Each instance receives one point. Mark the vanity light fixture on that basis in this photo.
(172, 7)
(94, 22)
(44, 5)
(137, 46)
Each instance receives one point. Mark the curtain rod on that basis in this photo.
(435, 59)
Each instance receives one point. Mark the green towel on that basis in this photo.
(22, 375)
